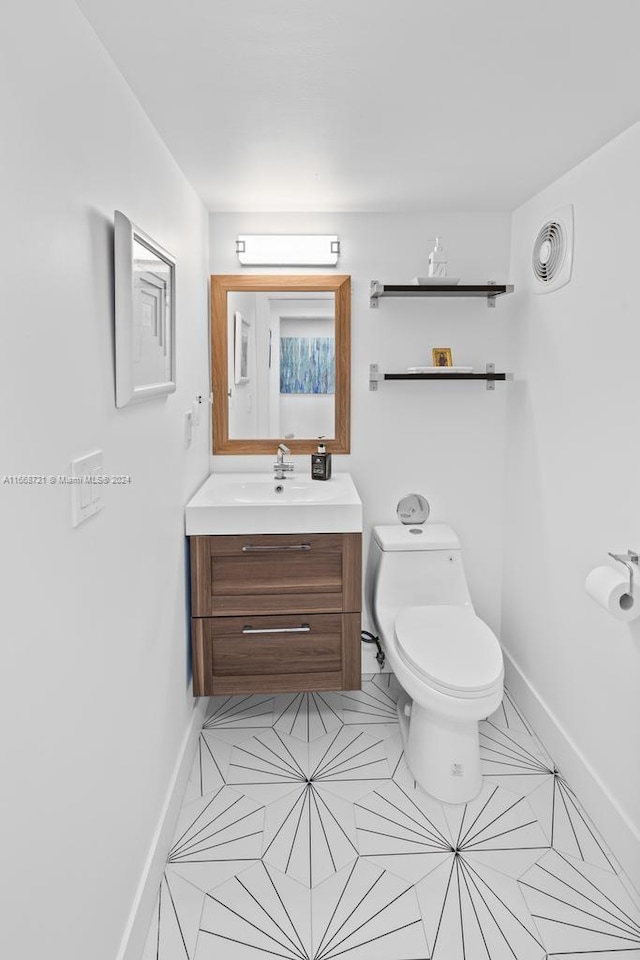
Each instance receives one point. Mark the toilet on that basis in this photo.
(446, 659)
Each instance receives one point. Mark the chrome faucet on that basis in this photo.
(280, 467)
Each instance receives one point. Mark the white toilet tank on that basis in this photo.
(414, 566)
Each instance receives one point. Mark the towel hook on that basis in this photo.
(629, 559)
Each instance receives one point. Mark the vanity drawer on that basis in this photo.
(279, 573)
(244, 654)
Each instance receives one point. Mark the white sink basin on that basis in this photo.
(241, 503)
(268, 490)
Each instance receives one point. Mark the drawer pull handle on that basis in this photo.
(250, 548)
(304, 628)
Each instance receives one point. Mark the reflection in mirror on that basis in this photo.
(281, 357)
(152, 297)
(281, 364)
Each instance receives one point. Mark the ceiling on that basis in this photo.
(376, 105)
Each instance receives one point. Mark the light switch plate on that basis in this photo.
(86, 489)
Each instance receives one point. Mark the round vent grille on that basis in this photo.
(549, 251)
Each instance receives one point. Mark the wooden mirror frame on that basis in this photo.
(221, 285)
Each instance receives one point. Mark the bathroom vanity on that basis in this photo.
(276, 584)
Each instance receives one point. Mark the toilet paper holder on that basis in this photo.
(629, 559)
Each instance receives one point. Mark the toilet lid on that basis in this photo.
(450, 647)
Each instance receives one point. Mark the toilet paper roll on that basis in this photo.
(610, 588)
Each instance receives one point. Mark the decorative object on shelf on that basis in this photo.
(437, 261)
(279, 250)
(435, 288)
(443, 373)
(241, 348)
(144, 314)
(435, 281)
(442, 357)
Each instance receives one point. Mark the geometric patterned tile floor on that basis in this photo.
(303, 836)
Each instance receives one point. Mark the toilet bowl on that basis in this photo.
(446, 659)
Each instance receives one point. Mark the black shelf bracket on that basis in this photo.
(490, 376)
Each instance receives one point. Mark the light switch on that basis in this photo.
(86, 489)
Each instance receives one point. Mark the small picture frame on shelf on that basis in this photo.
(442, 357)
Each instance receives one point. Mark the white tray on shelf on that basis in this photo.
(435, 281)
(444, 370)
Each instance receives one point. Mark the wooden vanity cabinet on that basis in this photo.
(276, 612)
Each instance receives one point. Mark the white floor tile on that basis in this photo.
(509, 717)
(403, 831)
(176, 921)
(258, 914)
(375, 703)
(210, 767)
(473, 912)
(269, 765)
(216, 837)
(567, 825)
(498, 829)
(253, 710)
(580, 909)
(303, 836)
(515, 760)
(365, 913)
(310, 834)
(348, 761)
(307, 716)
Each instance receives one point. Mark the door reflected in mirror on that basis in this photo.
(280, 362)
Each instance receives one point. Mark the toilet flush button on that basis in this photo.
(415, 530)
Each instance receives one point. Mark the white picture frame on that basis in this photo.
(145, 297)
(242, 331)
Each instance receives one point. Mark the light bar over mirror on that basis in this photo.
(287, 250)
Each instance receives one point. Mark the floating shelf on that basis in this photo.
(490, 376)
(489, 291)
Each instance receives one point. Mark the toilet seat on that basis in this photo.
(450, 648)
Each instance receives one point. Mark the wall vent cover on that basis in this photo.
(552, 257)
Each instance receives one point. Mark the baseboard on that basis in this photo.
(139, 920)
(621, 835)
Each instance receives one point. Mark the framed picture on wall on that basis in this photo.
(242, 330)
(145, 292)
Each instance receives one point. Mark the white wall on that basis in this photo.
(96, 695)
(572, 487)
(443, 440)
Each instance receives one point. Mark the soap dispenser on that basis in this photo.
(438, 260)
(321, 463)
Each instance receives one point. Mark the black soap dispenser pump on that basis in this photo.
(321, 463)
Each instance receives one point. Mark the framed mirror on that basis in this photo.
(145, 282)
(280, 363)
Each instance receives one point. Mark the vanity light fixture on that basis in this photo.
(280, 250)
